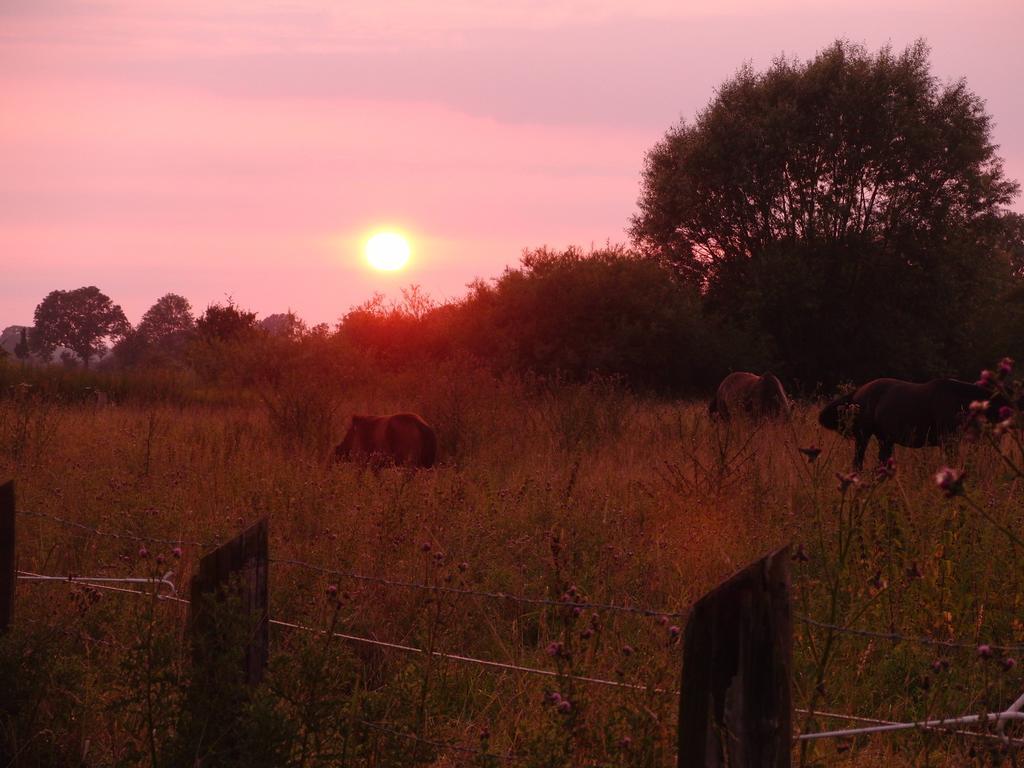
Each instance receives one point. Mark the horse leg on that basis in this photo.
(858, 454)
(884, 451)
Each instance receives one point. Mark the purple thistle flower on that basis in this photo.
(1009, 663)
(847, 480)
(986, 379)
(564, 706)
(950, 481)
(886, 470)
(673, 632)
(627, 650)
(176, 552)
(1005, 366)
(143, 552)
(332, 590)
(425, 546)
(984, 651)
(554, 649)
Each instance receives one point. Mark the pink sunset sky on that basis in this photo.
(248, 148)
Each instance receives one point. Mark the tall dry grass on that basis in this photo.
(542, 487)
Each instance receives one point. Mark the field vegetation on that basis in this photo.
(584, 492)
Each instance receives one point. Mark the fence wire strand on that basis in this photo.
(164, 580)
(473, 660)
(106, 587)
(879, 721)
(942, 724)
(871, 725)
(116, 534)
(503, 596)
(896, 637)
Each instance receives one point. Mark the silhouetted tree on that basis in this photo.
(566, 313)
(161, 334)
(225, 322)
(577, 313)
(80, 320)
(847, 207)
(284, 324)
(1010, 241)
(169, 320)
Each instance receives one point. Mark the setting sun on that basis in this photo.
(387, 251)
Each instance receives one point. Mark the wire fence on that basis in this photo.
(870, 725)
(117, 534)
(497, 596)
(461, 658)
(96, 581)
(461, 591)
(896, 637)
(945, 723)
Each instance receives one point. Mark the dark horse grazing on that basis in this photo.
(904, 413)
(742, 393)
(403, 439)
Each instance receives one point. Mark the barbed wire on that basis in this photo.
(116, 534)
(877, 725)
(896, 637)
(408, 648)
(464, 591)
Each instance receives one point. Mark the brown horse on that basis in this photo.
(904, 413)
(402, 439)
(748, 394)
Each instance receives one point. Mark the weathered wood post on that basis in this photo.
(237, 568)
(735, 706)
(7, 572)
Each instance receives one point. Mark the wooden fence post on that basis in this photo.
(7, 572)
(735, 705)
(242, 563)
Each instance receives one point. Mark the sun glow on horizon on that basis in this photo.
(387, 251)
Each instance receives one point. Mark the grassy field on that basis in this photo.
(542, 491)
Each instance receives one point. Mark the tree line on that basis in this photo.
(830, 220)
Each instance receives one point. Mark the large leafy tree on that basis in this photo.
(168, 321)
(161, 334)
(225, 322)
(846, 207)
(81, 320)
